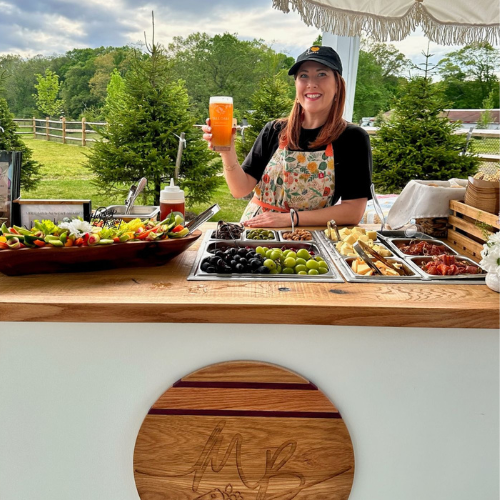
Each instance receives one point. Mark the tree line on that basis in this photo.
(75, 84)
(148, 95)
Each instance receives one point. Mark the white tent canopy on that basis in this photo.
(446, 22)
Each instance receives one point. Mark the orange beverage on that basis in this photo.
(221, 121)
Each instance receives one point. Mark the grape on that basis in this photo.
(300, 268)
(263, 270)
(274, 271)
(319, 258)
(303, 254)
(270, 264)
(240, 268)
(323, 264)
(312, 272)
(312, 264)
(275, 254)
(260, 250)
(288, 270)
(290, 262)
(292, 254)
(299, 260)
(323, 270)
(302, 272)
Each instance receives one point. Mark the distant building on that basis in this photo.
(470, 117)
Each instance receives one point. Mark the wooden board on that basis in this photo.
(243, 431)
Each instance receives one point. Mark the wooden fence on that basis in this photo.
(62, 130)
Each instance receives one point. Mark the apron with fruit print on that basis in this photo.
(300, 180)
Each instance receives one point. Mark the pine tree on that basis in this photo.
(416, 142)
(140, 139)
(10, 141)
(270, 101)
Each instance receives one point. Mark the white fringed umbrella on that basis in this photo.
(445, 22)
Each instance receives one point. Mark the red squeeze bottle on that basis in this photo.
(171, 200)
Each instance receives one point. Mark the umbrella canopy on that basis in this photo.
(446, 22)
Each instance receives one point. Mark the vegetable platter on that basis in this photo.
(76, 246)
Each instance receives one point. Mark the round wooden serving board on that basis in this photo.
(243, 431)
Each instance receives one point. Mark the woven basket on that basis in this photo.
(435, 226)
(484, 195)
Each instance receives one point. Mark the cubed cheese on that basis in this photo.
(358, 230)
(371, 234)
(351, 239)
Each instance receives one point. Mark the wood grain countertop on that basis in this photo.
(163, 295)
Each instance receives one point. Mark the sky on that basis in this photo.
(52, 27)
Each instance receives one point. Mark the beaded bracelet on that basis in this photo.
(296, 213)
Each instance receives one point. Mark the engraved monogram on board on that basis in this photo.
(274, 463)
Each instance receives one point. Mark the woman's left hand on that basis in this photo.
(269, 219)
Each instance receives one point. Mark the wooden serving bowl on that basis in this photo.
(95, 258)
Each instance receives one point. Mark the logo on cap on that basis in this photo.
(313, 49)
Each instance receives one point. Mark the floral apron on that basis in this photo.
(301, 180)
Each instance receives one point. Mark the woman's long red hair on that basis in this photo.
(333, 127)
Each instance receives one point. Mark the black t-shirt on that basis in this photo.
(351, 151)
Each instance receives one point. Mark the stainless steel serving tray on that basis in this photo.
(376, 277)
(332, 245)
(419, 277)
(396, 243)
(208, 244)
(418, 260)
(261, 242)
(292, 241)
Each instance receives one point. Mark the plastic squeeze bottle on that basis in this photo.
(171, 200)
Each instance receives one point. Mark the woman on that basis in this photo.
(313, 161)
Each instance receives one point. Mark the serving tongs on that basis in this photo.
(134, 192)
(201, 218)
(365, 257)
(332, 225)
(361, 245)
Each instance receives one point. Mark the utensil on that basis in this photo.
(131, 192)
(379, 257)
(331, 224)
(203, 217)
(292, 213)
(367, 259)
(132, 197)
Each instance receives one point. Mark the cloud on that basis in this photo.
(29, 27)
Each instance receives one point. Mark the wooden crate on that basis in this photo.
(470, 228)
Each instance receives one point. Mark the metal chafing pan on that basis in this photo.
(281, 232)
(397, 243)
(261, 242)
(210, 245)
(331, 245)
(411, 273)
(418, 261)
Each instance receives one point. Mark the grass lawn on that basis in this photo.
(64, 176)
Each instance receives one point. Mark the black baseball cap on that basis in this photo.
(321, 54)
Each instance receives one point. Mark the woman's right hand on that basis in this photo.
(207, 136)
(207, 133)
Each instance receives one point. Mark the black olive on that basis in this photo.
(205, 266)
(213, 260)
(240, 268)
(243, 261)
(242, 252)
(211, 269)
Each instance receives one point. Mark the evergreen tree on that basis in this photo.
(140, 139)
(416, 142)
(10, 141)
(270, 101)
